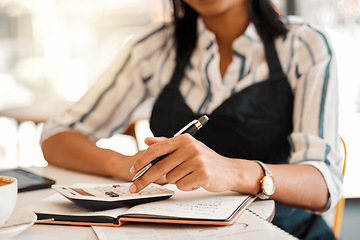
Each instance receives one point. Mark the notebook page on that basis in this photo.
(248, 226)
(198, 204)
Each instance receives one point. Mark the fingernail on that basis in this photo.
(132, 188)
(132, 169)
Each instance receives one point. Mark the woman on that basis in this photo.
(268, 85)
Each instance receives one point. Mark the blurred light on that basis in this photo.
(75, 80)
(123, 144)
(9, 86)
(8, 143)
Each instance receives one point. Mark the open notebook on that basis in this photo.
(247, 226)
(195, 207)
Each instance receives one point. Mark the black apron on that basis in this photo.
(251, 124)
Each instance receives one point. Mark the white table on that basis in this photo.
(265, 209)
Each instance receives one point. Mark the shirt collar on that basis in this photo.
(207, 39)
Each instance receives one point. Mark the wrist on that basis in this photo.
(118, 165)
(112, 162)
(248, 177)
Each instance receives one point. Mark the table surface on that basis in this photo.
(265, 209)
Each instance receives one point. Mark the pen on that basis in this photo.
(190, 128)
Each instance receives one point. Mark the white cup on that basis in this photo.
(8, 196)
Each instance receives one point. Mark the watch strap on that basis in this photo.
(266, 169)
(267, 172)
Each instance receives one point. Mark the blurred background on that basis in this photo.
(51, 51)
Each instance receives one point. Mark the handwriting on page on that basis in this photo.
(206, 208)
(214, 208)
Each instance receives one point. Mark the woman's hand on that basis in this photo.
(121, 164)
(190, 165)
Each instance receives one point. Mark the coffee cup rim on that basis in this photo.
(9, 179)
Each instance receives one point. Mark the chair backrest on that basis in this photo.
(339, 209)
(344, 156)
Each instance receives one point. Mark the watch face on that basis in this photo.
(268, 185)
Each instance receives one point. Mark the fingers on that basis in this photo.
(180, 171)
(161, 168)
(161, 147)
(193, 181)
(189, 182)
(151, 140)
(161, 180)
(175, 147)
(189, 164)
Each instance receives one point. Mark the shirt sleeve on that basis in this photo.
(108, 105)
(315, 138)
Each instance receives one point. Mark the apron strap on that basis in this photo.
(271, 55)
(180, 65)
(273, 61)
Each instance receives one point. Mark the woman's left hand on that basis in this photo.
(190, 165)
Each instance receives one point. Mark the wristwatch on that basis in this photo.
(267, 183)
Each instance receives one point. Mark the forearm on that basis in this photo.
(74, 151)
(301, 186)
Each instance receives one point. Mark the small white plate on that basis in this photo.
(18, 216)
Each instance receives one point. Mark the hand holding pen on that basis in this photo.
(190, 128)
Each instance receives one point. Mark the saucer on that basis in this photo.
(18, 216)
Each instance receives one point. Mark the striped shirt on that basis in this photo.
(146, 65)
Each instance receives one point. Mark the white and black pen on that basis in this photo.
(190, 128)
